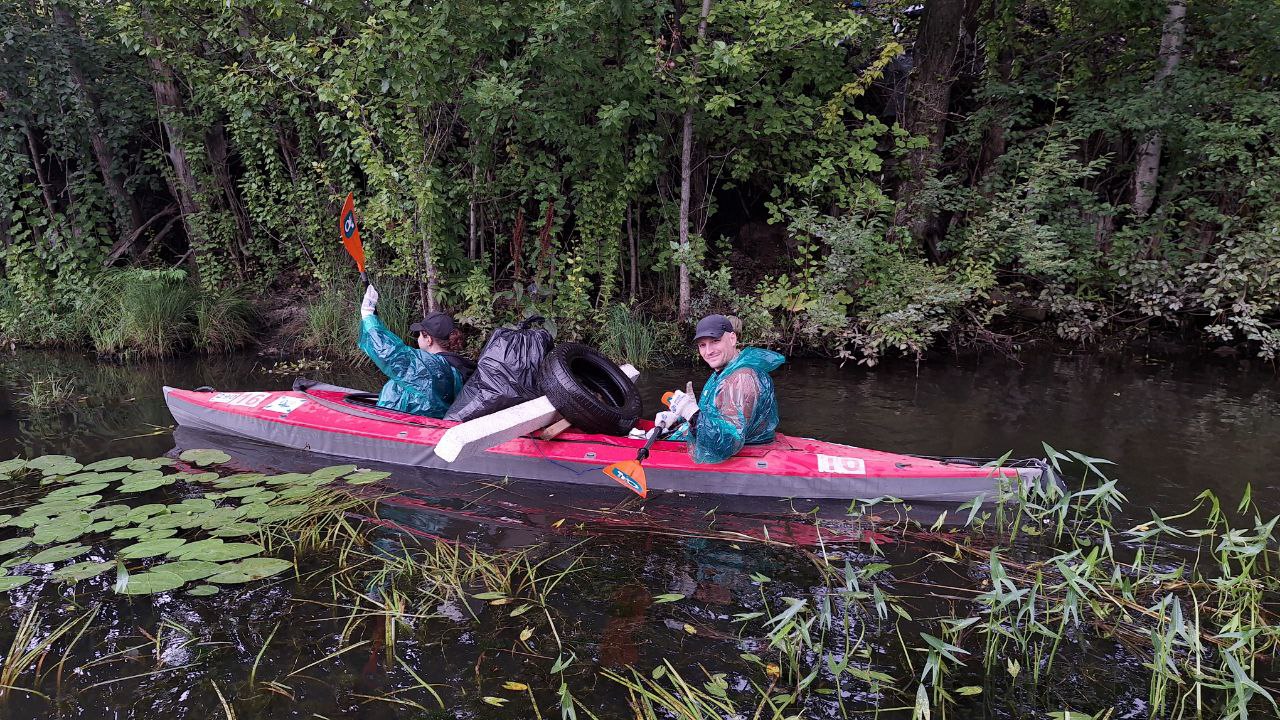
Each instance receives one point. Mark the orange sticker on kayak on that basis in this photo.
(841, 465)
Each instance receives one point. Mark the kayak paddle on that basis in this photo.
(350, 235)
(630, 472)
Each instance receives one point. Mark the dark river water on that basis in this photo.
(1173, 430)
(663, 591)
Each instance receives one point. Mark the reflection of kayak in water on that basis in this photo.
(346, 423)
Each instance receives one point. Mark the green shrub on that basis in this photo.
(333, 316)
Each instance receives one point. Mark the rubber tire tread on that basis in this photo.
(571, 395)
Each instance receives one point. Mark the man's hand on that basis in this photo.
(685, 404)
(666, 420)
(370, 303)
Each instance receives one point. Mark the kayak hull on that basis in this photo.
(328, 420)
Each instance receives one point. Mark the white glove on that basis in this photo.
(666, 420)
(685, 404)
(370, 302)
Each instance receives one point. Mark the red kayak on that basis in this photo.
(346, 423)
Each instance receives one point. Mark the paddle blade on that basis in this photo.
(630, 474)
(350, 233)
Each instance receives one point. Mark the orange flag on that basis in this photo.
(350, 233)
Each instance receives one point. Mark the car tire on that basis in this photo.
(589, 390)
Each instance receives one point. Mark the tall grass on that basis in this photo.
(49, 390)
(628, 336)
(333, 317)
(157, 313)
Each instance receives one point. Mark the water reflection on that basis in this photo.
(1174, 430)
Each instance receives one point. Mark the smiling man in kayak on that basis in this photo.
(424, 380)
(738, 405)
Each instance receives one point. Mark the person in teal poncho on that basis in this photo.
(424, 380)
(738, 405)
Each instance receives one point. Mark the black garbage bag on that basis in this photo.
(506, 373)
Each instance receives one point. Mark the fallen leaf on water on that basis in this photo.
(494, 701)
(772, 671)
(690, 629)
(525, 634)
(516, 686)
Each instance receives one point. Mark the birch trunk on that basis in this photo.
(1146, 175)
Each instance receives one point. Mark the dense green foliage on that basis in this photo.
(509, 157)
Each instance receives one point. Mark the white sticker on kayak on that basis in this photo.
(841, 465)
(247, 399)
(285, 404)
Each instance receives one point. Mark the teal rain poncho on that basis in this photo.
(421, 383)
(738, 406)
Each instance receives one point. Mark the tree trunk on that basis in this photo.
(184, 186)
(686, 174)
(1146, 174)
(129, 209)
(937, 52)
(632, 248)
(473, 229)
(37, 161)
(215, 142)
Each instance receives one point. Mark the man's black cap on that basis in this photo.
(712, 326)
(436, 324)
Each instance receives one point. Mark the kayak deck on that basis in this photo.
(344, 423)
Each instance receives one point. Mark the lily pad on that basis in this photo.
(142, 512)
(114, 475)
(13, 562)
(151, 582)
(297, 491)
(216, 550)
(333, 472)
(12, 465)
(9, 582)
(13, 545)
(132, 486)
(58, 553)
(64, 529)
(149, 463)
(158, 534)
(204, 457)
(173, 520)
(45, 461)
(151, 548)
(244, 491)
(265, 496)
(194, 505)
(73, 491)
(255, 510)
(239, 481)
(288, 479)
(111, 512)
(250, 569)
(364, 477)
(82, 571)
(218, 517)
(84, 477)
(102, 526)
(236, 529)
(203, 590)
(65, 469)
(114, 463)
(191, 570)
(129, 533)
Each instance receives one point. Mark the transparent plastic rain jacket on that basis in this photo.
(421, 383)
(737, 407)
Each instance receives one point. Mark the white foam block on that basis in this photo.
(483, 433)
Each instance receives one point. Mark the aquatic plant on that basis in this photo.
(627, 336)
(48, 390)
